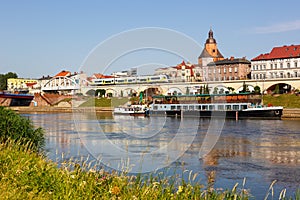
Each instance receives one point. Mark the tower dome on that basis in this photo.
(210, 38)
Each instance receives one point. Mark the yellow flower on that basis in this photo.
(180, 189)
(115, 190)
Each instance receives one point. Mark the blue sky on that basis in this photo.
(43, 37)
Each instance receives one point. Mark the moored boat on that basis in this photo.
(214, 107)
(132, 110)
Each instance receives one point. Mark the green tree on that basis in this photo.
(277, 91)
(4, 77)
(257, 89)
(19, 129)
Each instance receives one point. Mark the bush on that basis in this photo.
(19, 129)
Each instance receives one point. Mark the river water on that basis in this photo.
(222, 152)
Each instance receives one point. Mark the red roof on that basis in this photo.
(98, 76)
(63, 73)
(292, 51)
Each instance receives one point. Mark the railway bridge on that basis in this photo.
(266, 86)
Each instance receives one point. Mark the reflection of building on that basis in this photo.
(281, 62)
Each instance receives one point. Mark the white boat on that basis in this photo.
(233, 110)
(132, 110)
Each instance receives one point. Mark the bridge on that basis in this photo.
(267, 85)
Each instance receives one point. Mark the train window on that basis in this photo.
(143, 79)
(155, 78)
(244, 106)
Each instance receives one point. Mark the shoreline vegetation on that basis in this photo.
(26, 173)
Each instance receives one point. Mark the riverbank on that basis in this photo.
(288, 113)
(60, 109)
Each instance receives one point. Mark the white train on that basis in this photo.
(130, 80)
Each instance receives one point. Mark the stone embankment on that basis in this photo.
(291, 113)
(60, 109)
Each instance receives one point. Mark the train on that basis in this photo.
(130, 80)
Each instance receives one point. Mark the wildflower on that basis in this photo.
(180, 189)
(115, 190)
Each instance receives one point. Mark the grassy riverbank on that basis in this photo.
(285, 100)
(104, 102)
(27, 175)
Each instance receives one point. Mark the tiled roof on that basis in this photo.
(98, 76)
(63, 73)
(230, 61)
(292, 51)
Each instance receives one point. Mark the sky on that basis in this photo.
(40, 38)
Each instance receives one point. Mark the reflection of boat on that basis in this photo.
(132, 110)
(17, 99)
(236, 106)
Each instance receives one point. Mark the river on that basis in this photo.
(221, 152)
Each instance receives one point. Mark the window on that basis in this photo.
(296, 64)
(296, 74)
(271, 66)
(275, 66)
(281, 65)
(264, 67)
(219, 71)
(230, 69)
(235, 69)
(224, 70)
(288, 65)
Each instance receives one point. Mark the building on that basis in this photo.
(228, 69)
(210, 53)
(21, 85)
(214, 67)
(183, 72)
(281, 62)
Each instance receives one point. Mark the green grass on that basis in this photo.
(104, 102)
(27, 175)
(285, 100)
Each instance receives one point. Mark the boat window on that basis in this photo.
(191, 107)
(204, 107)
(228, 107)
(198, 107)
(220, 107)
(235, 107)
(244, 106)
(211, 107)
(173, 107)
(178, 107)
(154, 107)
(184, 107)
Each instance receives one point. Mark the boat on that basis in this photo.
(17, 99)
(229, 106)
(132, 110)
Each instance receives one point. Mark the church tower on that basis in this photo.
(210, 50)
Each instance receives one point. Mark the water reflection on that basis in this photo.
(261, 151)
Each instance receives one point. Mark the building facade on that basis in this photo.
(227, 69)
(281, 62)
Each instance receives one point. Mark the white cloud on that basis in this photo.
(279, 27)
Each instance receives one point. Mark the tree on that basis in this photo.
(215, 90)
(257, 89)
(100, 92)
(230, 89)
(277, 91)
(4, 77)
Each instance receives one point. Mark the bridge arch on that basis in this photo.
(279, 88)
(61, 84)
(174, 91)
